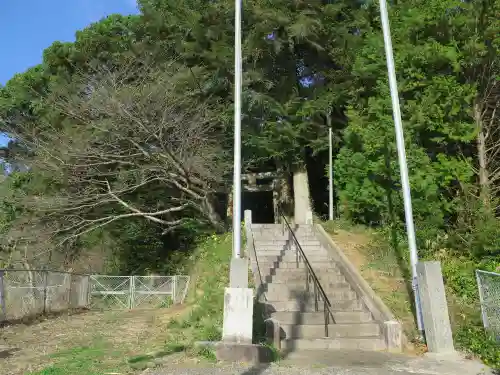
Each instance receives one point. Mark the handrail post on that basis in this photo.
(327, 318)
(316, 296)
(296, 256)
(307, 280)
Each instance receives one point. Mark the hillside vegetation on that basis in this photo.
(386, 269)
(121, 142)
(124, 341)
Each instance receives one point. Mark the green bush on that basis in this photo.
(476, 341)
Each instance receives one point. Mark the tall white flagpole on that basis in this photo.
(330, 167)
(237, 133)
(410, 228)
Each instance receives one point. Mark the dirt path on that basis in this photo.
(118, 334)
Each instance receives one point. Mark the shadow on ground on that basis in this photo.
(303, 299)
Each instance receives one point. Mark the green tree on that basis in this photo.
(436, 103)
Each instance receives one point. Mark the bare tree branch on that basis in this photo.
(132, 143)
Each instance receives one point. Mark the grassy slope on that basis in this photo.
(379, 266)
(387, 272)
(199, 320)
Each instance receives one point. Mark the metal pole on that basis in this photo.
(2, 296)
(237, 133)
(410, 229)
(481, 301)
(330, 167)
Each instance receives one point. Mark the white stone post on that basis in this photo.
(238, 298)
(437, 326)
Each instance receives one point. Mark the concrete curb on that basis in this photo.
(239, 352)
(392, 329)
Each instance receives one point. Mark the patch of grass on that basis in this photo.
(98, 359)
(206, 352)
(475, 341)
(203, 322)
(166, 303)
(383, 268)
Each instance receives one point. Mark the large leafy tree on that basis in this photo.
(59, 112)
(297, 59)
(438, 47)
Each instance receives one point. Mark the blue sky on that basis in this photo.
(27, 27)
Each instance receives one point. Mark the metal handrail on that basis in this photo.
(311, 274)
(260, 291)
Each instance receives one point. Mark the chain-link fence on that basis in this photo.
(489, 295)
(25, 293)
(128, 292)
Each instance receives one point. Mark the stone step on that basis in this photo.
(283, 276)
(305, 248)
(296, 275)
(344, 343)
(301, 285)
(266, 225)
(280, 233)
(312, 331)
(301, 264)
(295, 305)
(290, 257)
(267, 242)
(282, 225)
(340, 317)
(332, 295)
(291, 253)
(285, 288)
(301, 237)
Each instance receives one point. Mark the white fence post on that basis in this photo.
(480, 286)
(85, 292)
(489, 295)
(174, 289)
(131, 292)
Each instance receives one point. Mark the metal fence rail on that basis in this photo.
(129, 292)
(489, 296)
(27, 293)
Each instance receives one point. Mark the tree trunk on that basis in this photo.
(284, 190)
(302, 201)
(208, 206)
(484, 180)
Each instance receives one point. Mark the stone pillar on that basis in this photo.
(84, 295)
(302, 200)
(238, 273)
(276, 208)
(238, 305)
(436, 320)
(248, 222)
(237, 329)
(238, 316)
(309, 218)
(393, 336)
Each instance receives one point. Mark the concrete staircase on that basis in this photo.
(284, 285)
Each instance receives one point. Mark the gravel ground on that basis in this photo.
(295, 370)
(340, 363)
